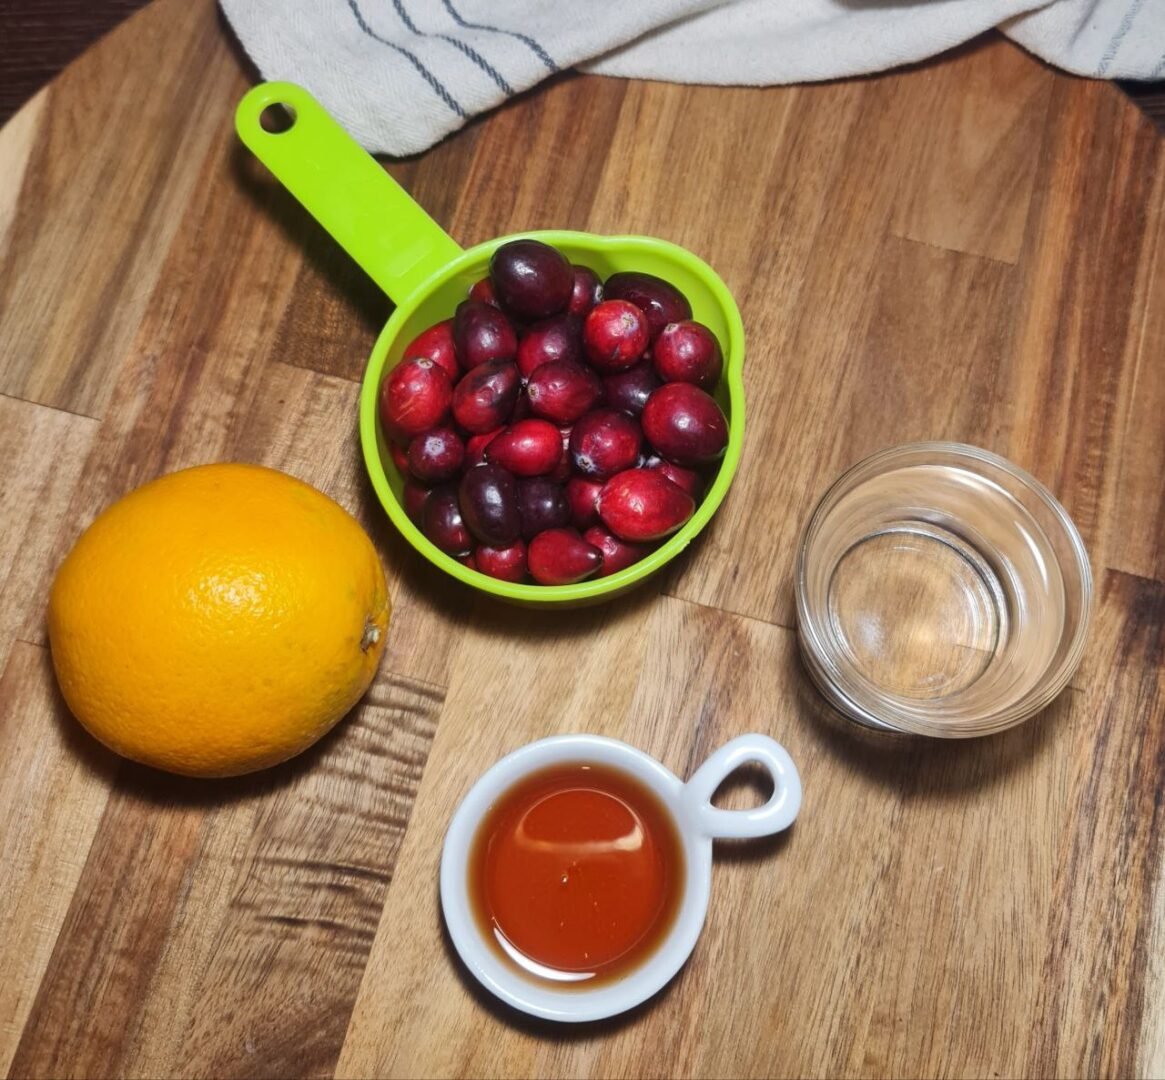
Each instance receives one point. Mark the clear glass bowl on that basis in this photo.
(941, 591)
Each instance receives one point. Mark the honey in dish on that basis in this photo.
(576, 874)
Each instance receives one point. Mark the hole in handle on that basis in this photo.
(277, 118)
(745, 788)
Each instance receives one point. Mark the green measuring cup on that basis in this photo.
(426, 275)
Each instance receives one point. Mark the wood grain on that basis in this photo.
(972, 186)
(972, 249)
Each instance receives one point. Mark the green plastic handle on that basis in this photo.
(366, 211)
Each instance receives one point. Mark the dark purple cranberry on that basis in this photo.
(531, 280)
(585, 293)
(442, 523)
(629, 390)
(489, 504)
(482, 334)
(542, 505)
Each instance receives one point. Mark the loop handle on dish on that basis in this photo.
(776, 814)
(344, 188)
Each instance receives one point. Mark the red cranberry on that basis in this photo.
(660, 301)
(442, 523)
(483, 292)
(561, 557)
(688, 479)
(531, 280)
(586, 291)
(605, 442)
(629, 390)
(617, 554)
(684, 424)
(489, 503)
(485, 396)
(562, 392)
(582, 497)
(557, 338)
(504, 563)
(400, 457)
(475, 447)
(412, 498)
(414, 398)
(437, 344)
(688, 352)
(436, 455)
(527, 448)
(542, 505)
(642, 504)
(615, 335)
(482, 333)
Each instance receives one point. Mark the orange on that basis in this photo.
(217, 620)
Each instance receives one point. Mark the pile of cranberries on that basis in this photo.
(557, 426)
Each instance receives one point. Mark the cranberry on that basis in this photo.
(562, 392)
(643, 504)
(688, 479)
(557, 338)
(437, 344)
(629, 390)
(527, 448)
(586, 291)
(582, 497)
(489, 504)
(482, 333)
(414, 398)
(542, 505)
(688, 352)
(531, 280)
(442, 523)
(400, 457)
(615, 335)
(485, 396)
(605, 442)
(483, 292)
(504, 563)
(436, 455)
(660, 301)
(412, 498)
(617, 554)
(684, 424)
(475, 447)
(561, 557)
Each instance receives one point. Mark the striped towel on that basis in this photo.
(401, 74)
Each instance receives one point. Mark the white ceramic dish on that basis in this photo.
(697, 823)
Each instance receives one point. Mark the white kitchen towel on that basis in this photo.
(401, 74)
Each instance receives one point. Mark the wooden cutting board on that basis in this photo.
(973, 249)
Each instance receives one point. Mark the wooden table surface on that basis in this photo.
(972, 250)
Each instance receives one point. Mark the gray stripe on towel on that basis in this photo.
(423, 71)
(461, 46)
(534, 46)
